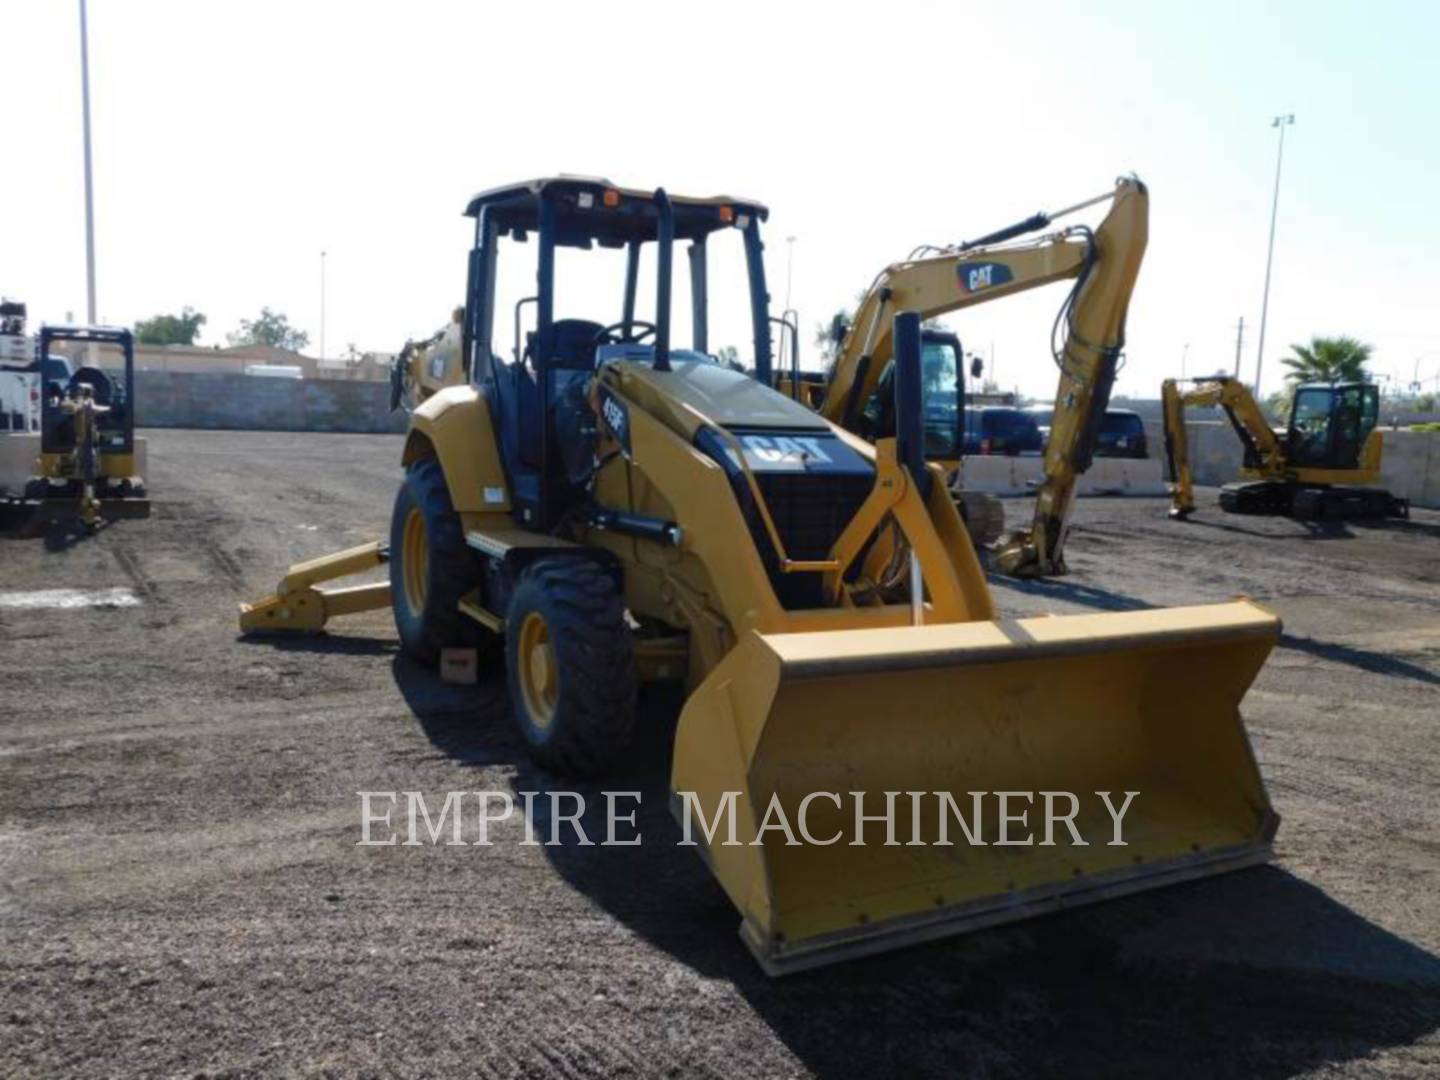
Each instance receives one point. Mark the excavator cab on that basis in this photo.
(943, 396)
(1329, 423)
(115, 428)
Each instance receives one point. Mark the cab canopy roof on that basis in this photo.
(590, 208)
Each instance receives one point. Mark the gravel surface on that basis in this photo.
(181, 891)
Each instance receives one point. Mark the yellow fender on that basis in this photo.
(455, 426)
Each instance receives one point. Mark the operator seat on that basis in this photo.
(572, 359)
(516, 390)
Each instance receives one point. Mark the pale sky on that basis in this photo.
(235, 141)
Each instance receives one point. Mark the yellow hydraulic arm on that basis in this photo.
(1104, 265)
(423, 368)
(1239, 404)
(298, 605)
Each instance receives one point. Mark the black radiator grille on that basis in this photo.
(813, 484)
(810, 512)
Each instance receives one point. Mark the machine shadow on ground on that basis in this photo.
(1410, 527)
(1327, 530)
(57, 533)
(1214, 978)
(1090, 596)
(1313, 530)
(1364, 659)
(337, 644)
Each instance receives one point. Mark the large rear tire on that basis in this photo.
(431, 568)
(570, 662)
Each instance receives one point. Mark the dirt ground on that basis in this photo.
(181, 891)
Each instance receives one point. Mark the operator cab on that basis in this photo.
(1329, 423)
(537, 396)
(942, 393)
(110, 388)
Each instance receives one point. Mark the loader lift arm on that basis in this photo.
(1103, 265)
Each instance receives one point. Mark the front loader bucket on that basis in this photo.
(1144, 701)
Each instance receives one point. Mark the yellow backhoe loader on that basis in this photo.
(609, 508)
(1318, 469)
(1103, 264)
(423, 368)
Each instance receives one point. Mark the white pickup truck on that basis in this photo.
(19, 388)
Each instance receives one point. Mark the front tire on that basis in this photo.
(431, 568)
(570, 661)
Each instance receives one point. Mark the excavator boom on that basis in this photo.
(1103, 264)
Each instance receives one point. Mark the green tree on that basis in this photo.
(1328, 359)
(180, 329)
(825, 341)
(273, 329)
(1277, 405)
(729, 355)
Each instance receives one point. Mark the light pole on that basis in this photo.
(789, 268)
(322, 305)
(1415, 378)
(1281, 122)
(89, 185)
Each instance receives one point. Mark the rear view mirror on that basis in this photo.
(977, 367)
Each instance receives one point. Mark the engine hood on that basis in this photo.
(726, 397)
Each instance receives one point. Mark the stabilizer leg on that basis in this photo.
(298, 606)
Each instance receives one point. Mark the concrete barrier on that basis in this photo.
(997, 474)
(1410, 467)
(255, 403)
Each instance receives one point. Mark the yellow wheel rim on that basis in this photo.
(415, 561)
(539, 677)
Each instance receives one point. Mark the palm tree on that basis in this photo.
(1334, 359)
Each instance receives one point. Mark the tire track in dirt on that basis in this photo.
(130, 565)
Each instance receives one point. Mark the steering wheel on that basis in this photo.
(608, 335)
